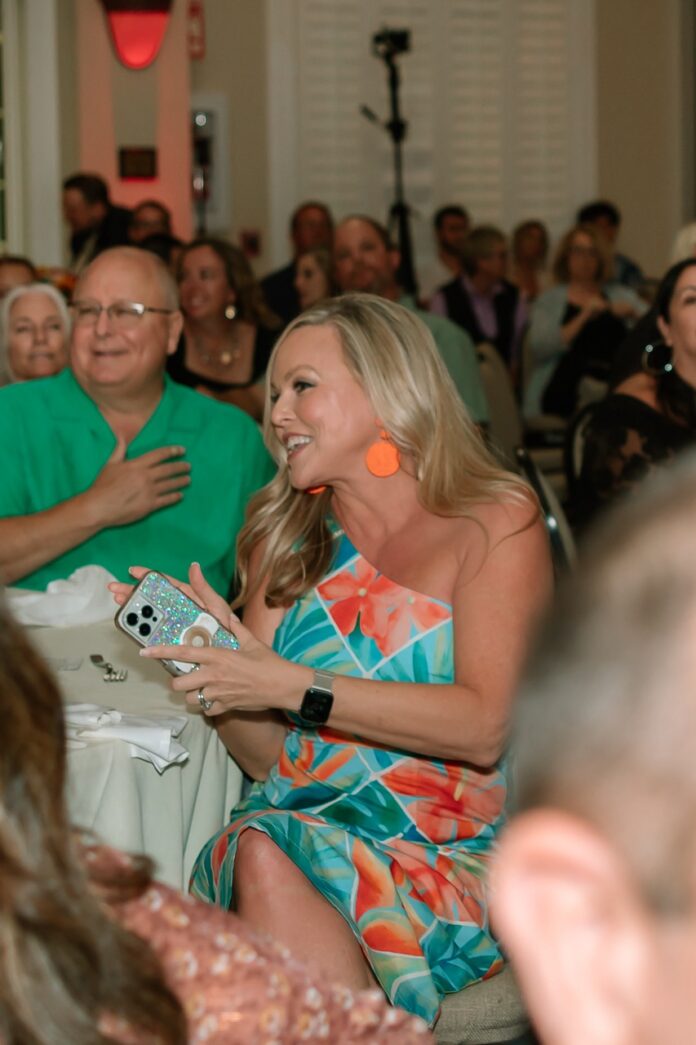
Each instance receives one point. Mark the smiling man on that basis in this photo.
(365, 260)
(113, 463)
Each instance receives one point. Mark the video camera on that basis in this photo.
(387, 43)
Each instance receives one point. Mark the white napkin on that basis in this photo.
(81, 599)
(151, 739)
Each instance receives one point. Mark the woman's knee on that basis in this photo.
(258, 861)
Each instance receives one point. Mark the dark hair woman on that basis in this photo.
(229, 330)
(651, 415)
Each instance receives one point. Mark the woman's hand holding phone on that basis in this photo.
(198, 590)
(252, 678)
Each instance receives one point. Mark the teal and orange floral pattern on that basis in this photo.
(399, 843)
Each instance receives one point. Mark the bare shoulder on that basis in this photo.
(508, 517)
(508, 535)
(640, 386)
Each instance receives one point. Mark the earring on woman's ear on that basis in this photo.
(383, 458)
(314, 490)
(230, 312)
(657, 359)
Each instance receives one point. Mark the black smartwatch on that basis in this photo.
(318, 699)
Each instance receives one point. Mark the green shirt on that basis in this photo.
(54, 442)
(458, 353)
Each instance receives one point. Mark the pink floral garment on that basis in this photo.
(236, 987)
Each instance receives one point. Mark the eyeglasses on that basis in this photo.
(123, 315)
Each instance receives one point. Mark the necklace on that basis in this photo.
(229, 354)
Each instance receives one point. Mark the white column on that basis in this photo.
(281, 27)
(42, 167)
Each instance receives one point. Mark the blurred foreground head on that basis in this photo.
(595, 882)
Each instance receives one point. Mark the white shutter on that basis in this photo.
(497, 95)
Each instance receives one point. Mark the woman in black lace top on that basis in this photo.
(229, 331)
(651, 415)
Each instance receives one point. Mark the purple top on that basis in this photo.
(484, 311)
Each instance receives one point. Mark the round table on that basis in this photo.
(125, 801)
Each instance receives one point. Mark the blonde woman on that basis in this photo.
(390, 575)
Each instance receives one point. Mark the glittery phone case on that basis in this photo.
(158, 614)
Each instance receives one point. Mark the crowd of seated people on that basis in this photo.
(388, 570)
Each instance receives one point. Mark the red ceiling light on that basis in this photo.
(137, 29)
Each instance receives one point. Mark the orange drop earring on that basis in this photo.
(315, 489)
(382, 458)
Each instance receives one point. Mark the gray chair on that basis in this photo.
(507, 430)
(487, 1013)
(561, 538)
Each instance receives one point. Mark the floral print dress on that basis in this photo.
(398, 843)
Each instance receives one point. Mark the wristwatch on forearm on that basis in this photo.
(318, 699)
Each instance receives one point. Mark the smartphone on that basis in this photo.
(157, 613)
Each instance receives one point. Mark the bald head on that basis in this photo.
(141, 262)
(117, 354)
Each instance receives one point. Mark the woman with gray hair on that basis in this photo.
(34, 333)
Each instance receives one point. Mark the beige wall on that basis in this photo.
(235, 64)
(644, 152)
(115, 107)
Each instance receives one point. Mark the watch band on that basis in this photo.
(318, 699)
(323, 680)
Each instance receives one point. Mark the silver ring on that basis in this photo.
(205, 704)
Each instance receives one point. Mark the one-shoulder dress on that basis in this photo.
(398, 843)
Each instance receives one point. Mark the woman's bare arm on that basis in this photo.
(255, 739)
(496, 602)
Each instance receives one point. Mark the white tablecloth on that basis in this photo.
(123, 800)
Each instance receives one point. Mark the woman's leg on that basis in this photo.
(273, 896)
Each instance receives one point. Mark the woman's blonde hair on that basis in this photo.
(391, 353)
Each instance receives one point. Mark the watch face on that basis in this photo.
(316, 707)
